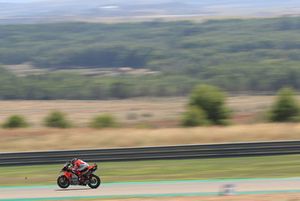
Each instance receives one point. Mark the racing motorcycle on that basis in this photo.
(68, 177)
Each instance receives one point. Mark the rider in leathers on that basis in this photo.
(79, 167)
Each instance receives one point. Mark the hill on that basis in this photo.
(107, 10)
(238, 55)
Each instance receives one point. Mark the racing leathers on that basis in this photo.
(79, 167)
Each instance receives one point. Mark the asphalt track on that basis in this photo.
(151, 189)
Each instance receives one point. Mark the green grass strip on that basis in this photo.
(164, 170)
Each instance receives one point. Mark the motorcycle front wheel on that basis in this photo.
(63, 181)
(94, 181)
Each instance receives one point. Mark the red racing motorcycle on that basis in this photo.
(68, 177)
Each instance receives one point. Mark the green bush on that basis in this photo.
(104, 121)
(15, 121)
(132, 116)
(286, 107)
(57, 119)
(212, 101)
(194, 117)
(147, 115)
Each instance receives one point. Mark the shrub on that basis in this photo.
(104, 121)
(147, 115)
(132, 116)
(57, 119)
(15, 121)
(194, 117)
(286, 107)
(212, 101)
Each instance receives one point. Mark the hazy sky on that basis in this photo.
(18, 1)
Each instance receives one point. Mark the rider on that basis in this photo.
(79, 167)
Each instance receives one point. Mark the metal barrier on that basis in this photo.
(153, 153)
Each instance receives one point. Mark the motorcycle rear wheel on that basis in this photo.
(63, 181)
(94, 182)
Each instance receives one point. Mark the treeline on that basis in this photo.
(72, 86)
(182, 46)
(162, 45)
(236, 55)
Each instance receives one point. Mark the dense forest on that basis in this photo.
(253, 55)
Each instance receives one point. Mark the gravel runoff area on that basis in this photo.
(274, 197)
(167, 190)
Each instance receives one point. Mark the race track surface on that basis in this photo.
(151, 189)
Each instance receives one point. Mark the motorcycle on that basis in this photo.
(69, 177)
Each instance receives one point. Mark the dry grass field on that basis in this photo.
(76, 138)
(145, 122)
(81, 112)
(143, 112)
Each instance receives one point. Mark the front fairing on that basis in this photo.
(66, 167)
(66, 170)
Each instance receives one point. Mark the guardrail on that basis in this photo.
(153, 153)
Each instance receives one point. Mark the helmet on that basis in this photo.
(74, 160)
